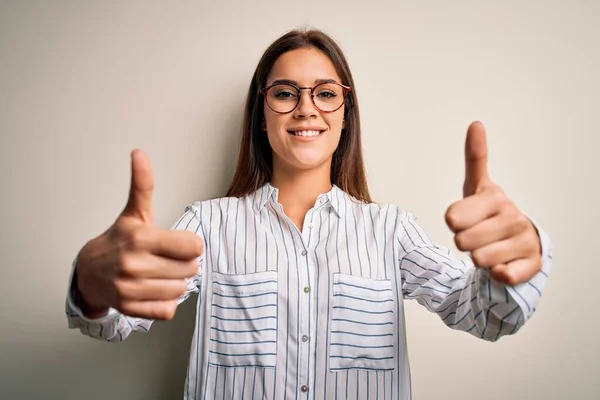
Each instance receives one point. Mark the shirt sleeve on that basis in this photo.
(116, 326)
(466, 298)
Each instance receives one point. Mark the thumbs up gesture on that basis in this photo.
(135, 267)
(487, 224)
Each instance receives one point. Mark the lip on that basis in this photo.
(306, 138)
(308, 128)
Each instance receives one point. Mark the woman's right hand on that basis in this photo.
(135, 267)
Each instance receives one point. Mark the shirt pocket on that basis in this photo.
(362, 325)
(243, 323)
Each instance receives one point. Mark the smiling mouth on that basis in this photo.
(306, 133)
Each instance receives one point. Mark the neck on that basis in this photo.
(299, 189)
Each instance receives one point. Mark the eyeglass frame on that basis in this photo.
(345, 89)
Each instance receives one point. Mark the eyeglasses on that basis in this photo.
(327, 97)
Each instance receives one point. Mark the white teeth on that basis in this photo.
(307, 133)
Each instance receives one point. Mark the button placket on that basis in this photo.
(305, 261)
(307, 227)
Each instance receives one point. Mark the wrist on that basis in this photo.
(89, 309)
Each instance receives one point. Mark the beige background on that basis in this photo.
(82, 83)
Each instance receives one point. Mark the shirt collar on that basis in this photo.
(264, 194)
(335, 197)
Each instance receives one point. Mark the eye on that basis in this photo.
(326, 94)
(284, 94)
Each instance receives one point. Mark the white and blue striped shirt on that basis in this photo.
(318, 313)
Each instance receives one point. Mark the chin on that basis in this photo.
(303, 160)
(308, 164)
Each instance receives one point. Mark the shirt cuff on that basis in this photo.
(74, 314)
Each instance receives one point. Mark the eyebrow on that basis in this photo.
(291, 82)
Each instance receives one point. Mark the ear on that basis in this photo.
(343, 124)
(263, 125)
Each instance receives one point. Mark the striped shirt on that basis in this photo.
(317, 313)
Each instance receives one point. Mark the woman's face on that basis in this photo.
(292, 135)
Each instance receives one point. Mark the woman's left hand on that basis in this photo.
(487, 224)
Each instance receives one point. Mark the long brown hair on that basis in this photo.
(255, 160)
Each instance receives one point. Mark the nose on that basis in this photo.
(306, 108)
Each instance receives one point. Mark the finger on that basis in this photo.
(139, 203)
(474, 209)
(150, 266)
(503, 251)
(499, 227)
(181, 245)
(159, 310)
(150, 289)
(476, 157)
(516, 271)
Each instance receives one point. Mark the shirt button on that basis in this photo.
(303, 252)
(304, 338)
(304, 388)
(306, 289)
(310, 225)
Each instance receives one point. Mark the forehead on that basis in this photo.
(304, 66)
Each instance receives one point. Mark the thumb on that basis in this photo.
(139, 203)
(476, 157)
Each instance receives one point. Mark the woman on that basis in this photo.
(300, 276)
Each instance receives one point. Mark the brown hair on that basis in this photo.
(255, 160)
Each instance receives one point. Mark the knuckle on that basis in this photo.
(479, 258)
(493, 188)
(537, 264)
(518, 222)
(139, 238)
(120, 227)
(181, 288)
(122, 289)
(199, 247)
(498, 198)
(196, 245)
(461, 242)
(451, 218)
(166, 312)
(169, 314)
(128, 264)
(123, 259)
(521, 221)
(510, 277)
(531, 243)
(191, 268)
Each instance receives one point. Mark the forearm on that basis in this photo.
(466, 298)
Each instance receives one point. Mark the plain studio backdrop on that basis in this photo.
(83, 83)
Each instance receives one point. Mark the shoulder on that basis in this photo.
(206, 209)
(386, 210)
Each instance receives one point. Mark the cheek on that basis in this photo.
(274, 122)
(336, 119)
(336, 123)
